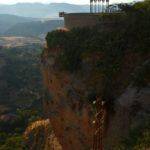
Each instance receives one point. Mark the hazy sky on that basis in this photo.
(57, 1)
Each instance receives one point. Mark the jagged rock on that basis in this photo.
(69, 109)
(39, 136)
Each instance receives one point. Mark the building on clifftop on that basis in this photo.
(96, 10)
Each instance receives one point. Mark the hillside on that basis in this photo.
(19, 67)
(20, 93)
(38, 10)
(8, 20)
(34, 28)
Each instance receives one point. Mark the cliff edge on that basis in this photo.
(82, 64)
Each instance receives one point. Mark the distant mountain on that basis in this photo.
(38, 10)
(34, 28)
(7, 21)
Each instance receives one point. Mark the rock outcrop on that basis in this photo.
(39, 136)
(108, 63)
(65, 104)
(68, 101)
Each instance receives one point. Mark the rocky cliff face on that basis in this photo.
(132, 110)
(85, 64)
(70, 114)
(68, 100)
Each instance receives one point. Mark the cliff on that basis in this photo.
(84, 64)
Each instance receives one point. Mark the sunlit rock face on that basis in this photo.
(66, 105)
(68, 101)
(39, 136)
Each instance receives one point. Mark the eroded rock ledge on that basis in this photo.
(82, 64)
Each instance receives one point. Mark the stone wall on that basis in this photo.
(80, 19)
(74, 20)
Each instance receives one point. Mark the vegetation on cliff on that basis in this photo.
(130, 37)
(118, 54)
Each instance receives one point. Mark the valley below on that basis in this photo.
(20, 88)
(14, 41)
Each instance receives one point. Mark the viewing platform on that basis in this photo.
(98, 8)
(72, 20)
(80, 20)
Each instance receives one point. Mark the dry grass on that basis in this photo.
(13, 41)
